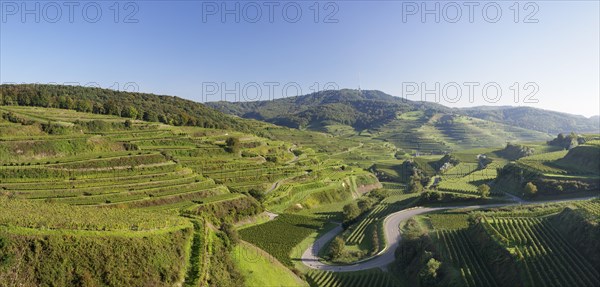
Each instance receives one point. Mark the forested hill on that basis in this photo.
(372, 109)
(149, 107)
(361, 110)
(536, 119)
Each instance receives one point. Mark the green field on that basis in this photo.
(260, 269)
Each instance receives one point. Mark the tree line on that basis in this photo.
(148, 107)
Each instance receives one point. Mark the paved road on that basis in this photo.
(391, 224)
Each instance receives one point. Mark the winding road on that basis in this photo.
(391, 228)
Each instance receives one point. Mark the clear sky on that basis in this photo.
(196, 50)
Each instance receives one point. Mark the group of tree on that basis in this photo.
(446, 162)
(232, 145)
(567, 142)
(352, 211)
(530, 190)
(148, 107)
(13, 118)
(416, 257)
(483, 190)
(516, 151)
(416, 183)
(336, 247)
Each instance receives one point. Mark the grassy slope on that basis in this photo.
(60, 245)
(261, 269)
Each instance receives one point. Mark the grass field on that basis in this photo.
(261, 269)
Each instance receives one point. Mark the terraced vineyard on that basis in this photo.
(427, 134)
(117, 201)
(468, 183)
(150, 165)
(544, 162)
(357, 233)
(158, 168)
(135, 180)
(406, 133)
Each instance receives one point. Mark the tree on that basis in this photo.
(365, 204)
(375, 240)
(257, 193)
(336, 247)
(83, 106)
(130, 112)
(112, 108)
(64, 102)
(429, 273)
(530, 189)
(415, 185)
(351, 211)
(4, 255)
(150, 116)
(233, 144)
(484, 191)
(231, 233)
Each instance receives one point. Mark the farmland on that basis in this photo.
(159, 192)
(280, 236)
(106, 170)
(375, 278)
(476, 242)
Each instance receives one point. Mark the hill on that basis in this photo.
(536, 119)
(412, 126)
(149, 107)
(361, 110)
(85, 171)
(104, 199)
(556, 172)
(371, 109)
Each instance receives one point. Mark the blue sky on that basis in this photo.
(186, 49)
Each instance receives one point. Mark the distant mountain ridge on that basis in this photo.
(364, 110)
(535, 119)
(371, 109)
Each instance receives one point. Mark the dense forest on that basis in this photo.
(148, 107)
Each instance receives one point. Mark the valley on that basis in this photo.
(337, 188)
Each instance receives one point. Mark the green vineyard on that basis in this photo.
(374, 278)
(458, 249)
(549, 259)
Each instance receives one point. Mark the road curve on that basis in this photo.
(391, 223)
(310, 257)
